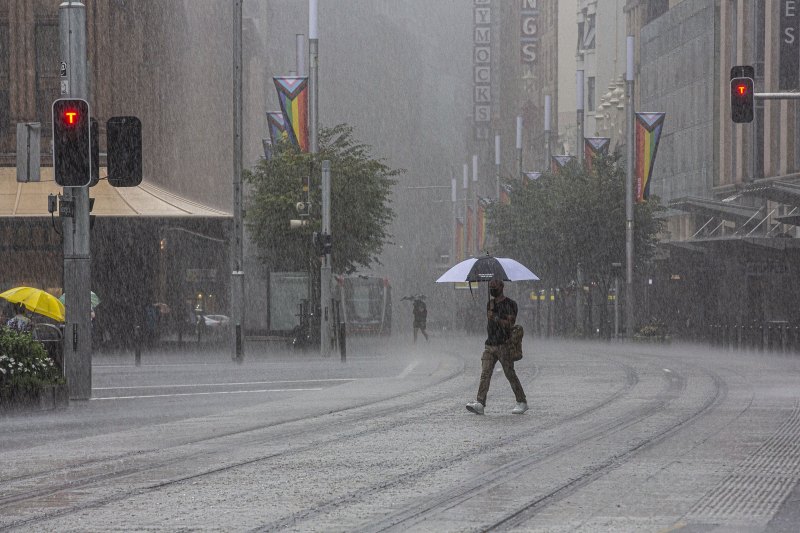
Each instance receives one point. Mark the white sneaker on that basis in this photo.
(520, 408)
(475, 407)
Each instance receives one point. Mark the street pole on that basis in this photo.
(579, 113)
(325, 269)
(237, 253)
(77, 253)
(579, 154)
(313, 71)
(519, 148)
(547, 152)
(465, 186)
(497, 166)
(475, 199)
(453, 258)
(629, 191)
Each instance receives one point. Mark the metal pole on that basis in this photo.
(519, 148)
(616, 306)
(629, 192)
(300, 58)
(579, 108)
(497, 166)
(325, 269)
(313, 71)
(77, 253)
(465, 186)
(475, 201)
(237, 251)
(547, 152)
(453, 258)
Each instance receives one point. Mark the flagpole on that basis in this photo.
(465, 186)
(519, 149)
(629, 191)
(547, 154)
(579, 113)
(475, 199)
(453, 258)
(497, 165)
(237, 252)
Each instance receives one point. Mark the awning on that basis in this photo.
(146, 200)
(776, 191)
(714, 208)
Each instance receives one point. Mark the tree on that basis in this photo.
(360, 203)
(575, 216)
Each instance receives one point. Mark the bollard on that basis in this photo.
(343, 341)
(137, 344)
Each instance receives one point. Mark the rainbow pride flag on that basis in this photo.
(647, 134)
(560, 161)
(277, 126)
(293, 96)
(592, 147)
(505, 194)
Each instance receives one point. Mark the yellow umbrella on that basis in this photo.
(36, 301)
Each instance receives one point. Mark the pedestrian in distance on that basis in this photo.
(501, 314)
(420, 311)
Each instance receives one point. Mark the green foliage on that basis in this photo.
(574, 216)
(360, 197)
(24, 363)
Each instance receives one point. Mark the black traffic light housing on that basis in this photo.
(94, 131)
(72, 157)
(124, 148)
(742, 100)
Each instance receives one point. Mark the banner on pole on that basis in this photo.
(531, 176)
(293, 96)
(277, 126)
(647, 134)
(560, 161)
(592, 147)
(481, 225)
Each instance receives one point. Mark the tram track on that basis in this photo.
(486, 482)
(356, 414)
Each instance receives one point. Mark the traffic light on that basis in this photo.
(72, 158)
(742, 99)
(124, 147)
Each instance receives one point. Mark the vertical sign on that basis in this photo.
(789, 70)
(529, 33)
(482, 67)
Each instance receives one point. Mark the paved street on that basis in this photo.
(619, 438)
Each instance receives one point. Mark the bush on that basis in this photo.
(24, 365)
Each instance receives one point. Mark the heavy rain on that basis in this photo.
(428, 265)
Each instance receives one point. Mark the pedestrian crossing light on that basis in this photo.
(742, 100)
(72, 157)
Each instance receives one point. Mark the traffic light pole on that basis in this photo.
(325, 269)
(77, 276)
(237, 244)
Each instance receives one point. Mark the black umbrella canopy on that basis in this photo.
(486, 269)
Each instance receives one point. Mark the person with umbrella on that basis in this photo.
(501, 313)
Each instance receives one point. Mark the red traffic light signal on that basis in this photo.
(72, 158)
(742, 99)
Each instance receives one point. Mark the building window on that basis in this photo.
(5, 107)
(47, 75)
(590, 93)
(588, 36)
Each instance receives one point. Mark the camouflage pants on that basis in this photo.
(491, 355)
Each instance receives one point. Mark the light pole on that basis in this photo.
(237, 244)
(465, 186)
(579, 113)
(629, 192)
(547, 151)
(497, 166)
(519, 148)
(77, 251)
(475, 199)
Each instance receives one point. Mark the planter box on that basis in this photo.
(46, 398)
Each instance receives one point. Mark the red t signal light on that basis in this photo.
(742, 100)
(71, 142)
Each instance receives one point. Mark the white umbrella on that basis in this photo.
(487, 268)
